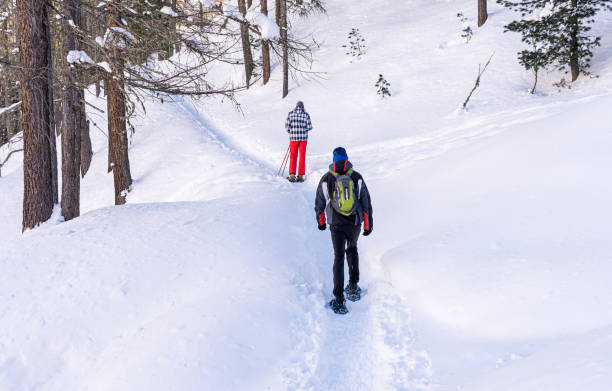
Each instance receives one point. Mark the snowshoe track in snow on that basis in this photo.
(370, 348)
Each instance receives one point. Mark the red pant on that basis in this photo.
(294, 146)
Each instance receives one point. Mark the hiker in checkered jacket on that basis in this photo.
(298, 125)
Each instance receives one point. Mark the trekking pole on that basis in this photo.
(284, 163)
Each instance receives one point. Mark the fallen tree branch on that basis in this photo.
(10, 109)
(7, 158)
(481, 71)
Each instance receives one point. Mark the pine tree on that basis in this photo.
(356, 47)
(265, 47)
(37, 170)
(249, 66)
(117, 116)
(71, 118)
(283, 33)
(382, 86)
(559, 38)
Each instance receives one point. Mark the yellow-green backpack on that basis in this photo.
(343, 198)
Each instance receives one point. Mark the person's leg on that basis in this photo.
(293, 149)
(302, 167)
(352, 256)
(339, 242)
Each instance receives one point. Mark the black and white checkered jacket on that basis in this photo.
(298, 124)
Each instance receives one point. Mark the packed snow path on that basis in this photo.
(370, 348)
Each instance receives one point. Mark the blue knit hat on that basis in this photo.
(300, 104)
(340, 154)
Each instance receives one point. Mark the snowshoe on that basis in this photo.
(339, 307)
(300, 178)
(291, 178)
(353, 292)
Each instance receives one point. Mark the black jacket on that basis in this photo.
(323, 208)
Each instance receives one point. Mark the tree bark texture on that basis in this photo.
(265, 48)
(9, 90)
(574, 61)
(86, 149)
(120, 163)
(283, 33)
(110, 140)
(52, 137)
(71, 122)
(246, 44)
(117, 129)
(33, 55)
(483, 15)
(278, 11)
(8, 118)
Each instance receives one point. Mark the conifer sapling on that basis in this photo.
(383, 87)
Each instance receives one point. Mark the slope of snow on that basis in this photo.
(487, 268)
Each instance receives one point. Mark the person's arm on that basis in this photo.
(366, 205)
(288, 123)
(321, 202)
(308, 123)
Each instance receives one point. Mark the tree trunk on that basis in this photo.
(34, 59)
(8, 118)
(249, 3)
(265, 48)
(482, 12)
(177, 45)
(535, 83)
(110, 140)
(246, 44)
(120, 162)
(56, 62)
(71, 122)
(86, 149)
(117, 130)
(9, 75)
(52, 138)
(7, 84)
(574, 60)
(85, 140)
(283, 32)
(278, 11)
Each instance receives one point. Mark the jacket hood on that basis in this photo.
(340, 167)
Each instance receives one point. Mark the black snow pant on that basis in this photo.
(344, 239)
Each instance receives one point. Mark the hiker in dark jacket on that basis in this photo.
(344, 212)
(298, 125)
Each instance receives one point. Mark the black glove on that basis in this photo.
(322, 227)
(367, 232)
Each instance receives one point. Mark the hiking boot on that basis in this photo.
(353, 292)
(338, 305)
(300, 178)
(291, 178)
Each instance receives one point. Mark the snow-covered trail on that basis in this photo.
(370, 348)
(373, 346)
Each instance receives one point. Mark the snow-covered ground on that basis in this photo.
(488, 268)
